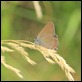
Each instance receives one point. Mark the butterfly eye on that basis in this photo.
(55, 36)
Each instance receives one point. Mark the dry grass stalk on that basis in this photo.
(6, 49)
(21, 51)
(38, 9)
(50, 55)
(47, 53)
(10, 67)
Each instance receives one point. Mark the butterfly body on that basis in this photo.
(47, 37)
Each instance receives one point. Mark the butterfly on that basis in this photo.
(47, 37)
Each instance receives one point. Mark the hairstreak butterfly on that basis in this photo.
(47, 37)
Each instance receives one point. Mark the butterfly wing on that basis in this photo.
(46, 37)
(48, 30)
(50, 42)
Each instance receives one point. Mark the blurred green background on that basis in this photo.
(21, 20)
